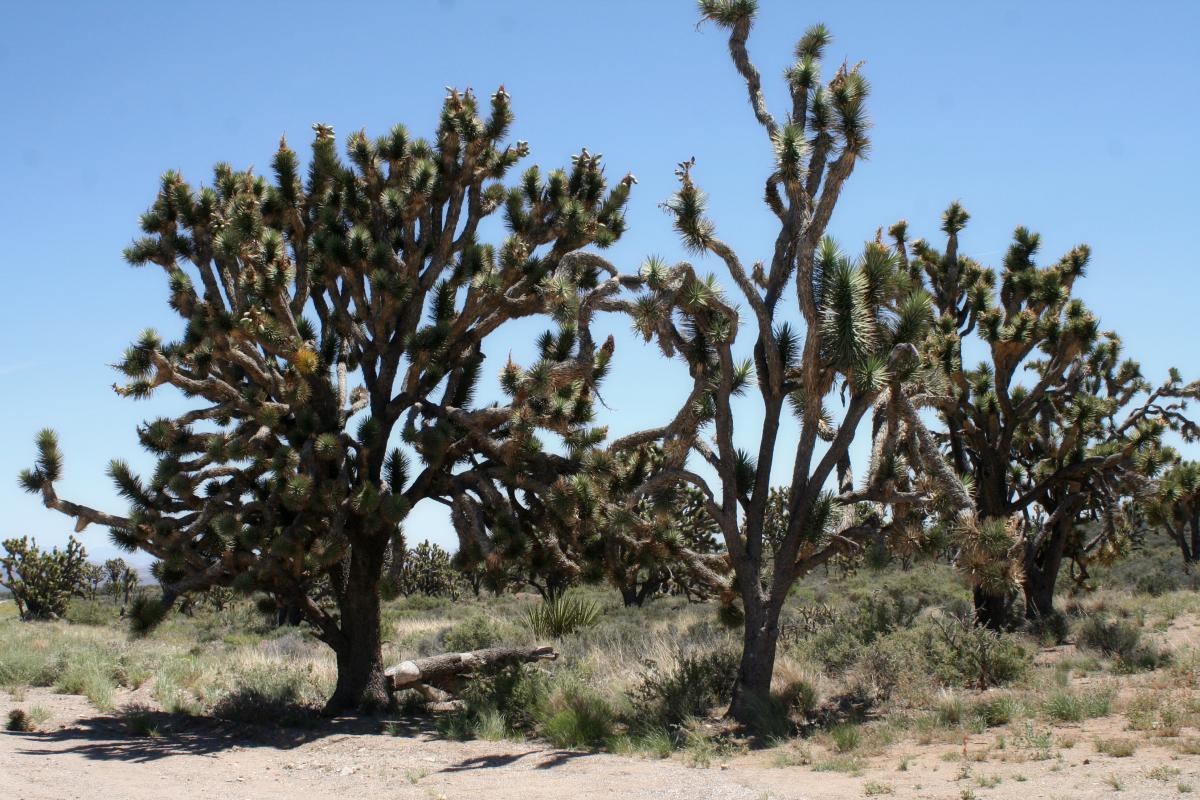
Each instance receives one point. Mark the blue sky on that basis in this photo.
(1074, 118)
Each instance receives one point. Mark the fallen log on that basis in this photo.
(446, 671)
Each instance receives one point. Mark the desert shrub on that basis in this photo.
(960, 653)
(834, 646)
(1121, 640)
(862, 634)
(653, 741)
(19, 721)
(1155, 712)
(140, 720)
(845, 737)
(23, 665)
(1117, 748)
(1064, 706)
(696, 683)
(516, 698)
(92, 673)
(421, 602)
(995, 711)
(797, 697)
(91, 612)
(578, 717)
(176, 685)
(950, 709)
(562, 616)
(1154, 568)
(837, 639)
(886, 664)
(474, 633)
(1052, 628)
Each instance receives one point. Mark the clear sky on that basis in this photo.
(1077, 119)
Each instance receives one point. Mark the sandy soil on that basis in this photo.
(79, 753)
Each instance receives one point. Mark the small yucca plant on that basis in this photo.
(562, 616)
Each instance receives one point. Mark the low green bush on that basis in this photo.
(693, 686)
(960, 653)
(1065, 706)
(272, 696)
(91, 612)
(578, 717)
(474, 633)
(996, 711)
(1122, 640)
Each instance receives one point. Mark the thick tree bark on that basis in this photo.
(1041, 573)
(992, 610)
(1039, 591)
(760, 636)
(360, 682)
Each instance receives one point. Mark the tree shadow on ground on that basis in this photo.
(142, 735)
(551, 759)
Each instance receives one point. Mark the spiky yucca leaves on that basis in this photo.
(1067, 445)
(1172, 503)
(42, 582)
(323, 308)
(664, 542)
(600, 519)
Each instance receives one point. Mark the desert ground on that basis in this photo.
(221, 704)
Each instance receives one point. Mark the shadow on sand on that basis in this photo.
(548, 760)
(146, 735)
(140, 735)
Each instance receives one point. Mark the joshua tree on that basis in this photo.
(649, 566)
(121, 580)
(90, 579)
(425, 569)
(1083, 434)
(860, 319)
(595, 522)
(323, 318)
(1174, 504)
(42, 582)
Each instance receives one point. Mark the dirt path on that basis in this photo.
(80, 754)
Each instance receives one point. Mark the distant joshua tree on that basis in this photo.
(42, 582)
(1173, 503)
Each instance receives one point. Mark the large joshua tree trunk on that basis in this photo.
(360, 681)
(760, 636)
(1044, 554)
(1042, 565)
